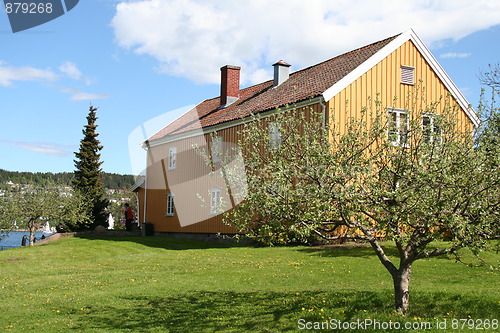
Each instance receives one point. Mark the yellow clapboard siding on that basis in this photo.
(384, 81)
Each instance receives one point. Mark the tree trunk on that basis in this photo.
(32, 236)
(401, 276)
(32, 229)
(401, 279)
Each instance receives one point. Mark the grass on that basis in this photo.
(157, 284)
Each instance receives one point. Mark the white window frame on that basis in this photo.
(408, 75)
(172, 158)
(215, 201)
(398, 130)
(170, 211)
(216, 149)
(274, 135)
(431, 131)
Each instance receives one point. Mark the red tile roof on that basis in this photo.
(301, 85)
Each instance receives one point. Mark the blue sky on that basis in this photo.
(137, 60)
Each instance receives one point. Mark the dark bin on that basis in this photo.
(148, 229)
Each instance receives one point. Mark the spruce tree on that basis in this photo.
(88, 174)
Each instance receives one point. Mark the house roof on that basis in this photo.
(301, 85)
(140, 182)
(324, 79)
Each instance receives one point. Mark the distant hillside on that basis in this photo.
(111, 180)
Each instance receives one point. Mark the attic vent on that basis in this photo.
(407, 75)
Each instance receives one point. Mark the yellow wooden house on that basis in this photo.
(178, 193)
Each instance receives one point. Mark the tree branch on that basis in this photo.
(382, 256)
(438, 252)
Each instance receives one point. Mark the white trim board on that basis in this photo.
(386, 51)
(218, 127)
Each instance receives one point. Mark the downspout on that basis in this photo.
(138, 208)
(323, 110)
(146, 147)
(145, 196)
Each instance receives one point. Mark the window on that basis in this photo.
(407, 75)
(215, 202)
(170, 204)
(431, 130)
(274, 135)
(397, 126)
(216, 149)
(172, 158)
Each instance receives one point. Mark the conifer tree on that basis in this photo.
(88, 174)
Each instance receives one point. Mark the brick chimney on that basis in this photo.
(281, 72)
(229, 85)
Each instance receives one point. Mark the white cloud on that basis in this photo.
(71, 70)
(46, 148)
(194, 38)
(81, 96)
(11, 74)
(455, 55)
(77, 95)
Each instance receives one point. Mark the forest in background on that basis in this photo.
(47, 179)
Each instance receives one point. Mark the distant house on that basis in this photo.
(177, 195)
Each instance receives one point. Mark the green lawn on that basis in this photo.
(158, 284)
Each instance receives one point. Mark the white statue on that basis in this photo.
(111, 222)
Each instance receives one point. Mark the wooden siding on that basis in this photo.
(189, 181)
(383, 83)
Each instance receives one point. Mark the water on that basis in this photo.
(13, 239)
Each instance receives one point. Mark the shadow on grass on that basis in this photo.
(355, 250)
(429, 304)
(223, 311)
(162, 242)
(268, 311)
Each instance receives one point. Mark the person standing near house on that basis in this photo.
(129, 217)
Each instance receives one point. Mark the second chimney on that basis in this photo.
(230, 84)
(281, 72)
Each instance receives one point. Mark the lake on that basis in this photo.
(13, 239)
